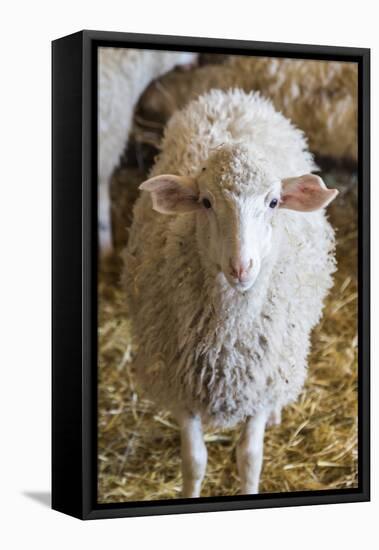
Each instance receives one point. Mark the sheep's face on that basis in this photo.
(235, 231)
(236, 200)
(239, 199)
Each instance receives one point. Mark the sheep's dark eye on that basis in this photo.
(206, 203)
(273, 203)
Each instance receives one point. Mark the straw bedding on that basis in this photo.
(314, 448)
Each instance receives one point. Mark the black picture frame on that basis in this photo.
(74, 273)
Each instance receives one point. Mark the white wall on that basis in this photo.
(27, 28)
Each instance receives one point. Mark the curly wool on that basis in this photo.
(201, 345)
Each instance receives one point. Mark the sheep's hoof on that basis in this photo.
(191, 491)
(249, 491)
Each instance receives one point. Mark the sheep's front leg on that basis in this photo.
(250, 453)
(194, 454)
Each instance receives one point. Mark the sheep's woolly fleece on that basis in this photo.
(199, 344)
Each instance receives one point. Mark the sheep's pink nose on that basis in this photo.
(240, 270)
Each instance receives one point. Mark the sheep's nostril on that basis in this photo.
(240, 270)
(233, 271)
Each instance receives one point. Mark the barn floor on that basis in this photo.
(314, 448)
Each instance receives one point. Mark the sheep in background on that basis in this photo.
(320, 97)
(123, 74)
(228, 261)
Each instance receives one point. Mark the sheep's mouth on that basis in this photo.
(239, 286)
(229, 282)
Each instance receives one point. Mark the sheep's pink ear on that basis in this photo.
(306, 193)
(172, 194)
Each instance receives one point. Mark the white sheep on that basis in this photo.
(123, 75)
(224, 290)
